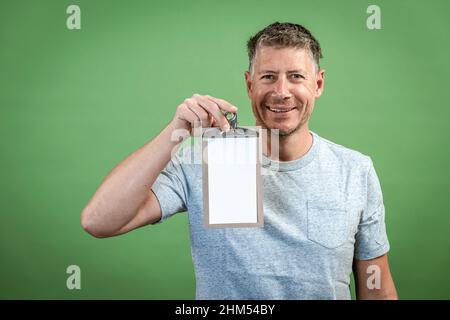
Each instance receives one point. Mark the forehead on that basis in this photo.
(274, 58)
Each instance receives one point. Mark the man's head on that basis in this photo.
(284, 77)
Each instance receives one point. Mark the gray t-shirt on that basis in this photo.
(321, 211)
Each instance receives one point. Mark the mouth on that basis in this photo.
(280, 109)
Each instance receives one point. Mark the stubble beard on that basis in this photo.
(286, 133)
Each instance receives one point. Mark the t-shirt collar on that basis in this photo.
(293, 164)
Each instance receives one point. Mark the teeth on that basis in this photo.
(280, 110)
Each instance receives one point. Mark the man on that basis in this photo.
(323, 206)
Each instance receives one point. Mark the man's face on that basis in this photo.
(284, 87)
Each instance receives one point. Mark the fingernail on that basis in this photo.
(227, 128)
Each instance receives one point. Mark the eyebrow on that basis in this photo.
(290, 71)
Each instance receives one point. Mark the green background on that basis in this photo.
(76, 102)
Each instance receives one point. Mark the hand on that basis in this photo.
(204, 111)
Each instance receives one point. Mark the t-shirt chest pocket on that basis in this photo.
(327, 223)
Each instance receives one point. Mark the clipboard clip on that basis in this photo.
(232, 119)
(234, 132)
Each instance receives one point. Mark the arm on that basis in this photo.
(373, 279)
(124, 201)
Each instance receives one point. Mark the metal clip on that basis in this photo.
(234, 131)
(232, 119)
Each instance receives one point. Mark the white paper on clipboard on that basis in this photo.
(231, 170)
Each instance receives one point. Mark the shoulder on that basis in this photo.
(334, 152)
(185, 153)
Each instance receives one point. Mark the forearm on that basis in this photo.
(126, 187)
(374, 286)
(385, 294)
(373, 279)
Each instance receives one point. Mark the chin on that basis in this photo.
(284, 131)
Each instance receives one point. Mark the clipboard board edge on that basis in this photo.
(259, 193)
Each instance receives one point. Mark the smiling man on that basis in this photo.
(323, 205)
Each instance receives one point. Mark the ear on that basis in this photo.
(248, 82)
(320, 83)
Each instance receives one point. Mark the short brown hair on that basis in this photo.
(282, 35)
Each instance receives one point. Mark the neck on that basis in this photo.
(291, 147)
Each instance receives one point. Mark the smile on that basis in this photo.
(280, 110)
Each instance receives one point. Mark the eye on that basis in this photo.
(298, 76)
(267, 76)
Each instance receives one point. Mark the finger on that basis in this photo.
(187, 115)
(223, 104)
(214, 110)
(201, 114)
(214, 123)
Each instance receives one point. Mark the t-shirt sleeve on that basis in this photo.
(170, 189)
(371, 237)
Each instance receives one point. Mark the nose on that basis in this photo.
(282, 89)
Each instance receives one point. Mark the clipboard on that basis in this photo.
(231, 176)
